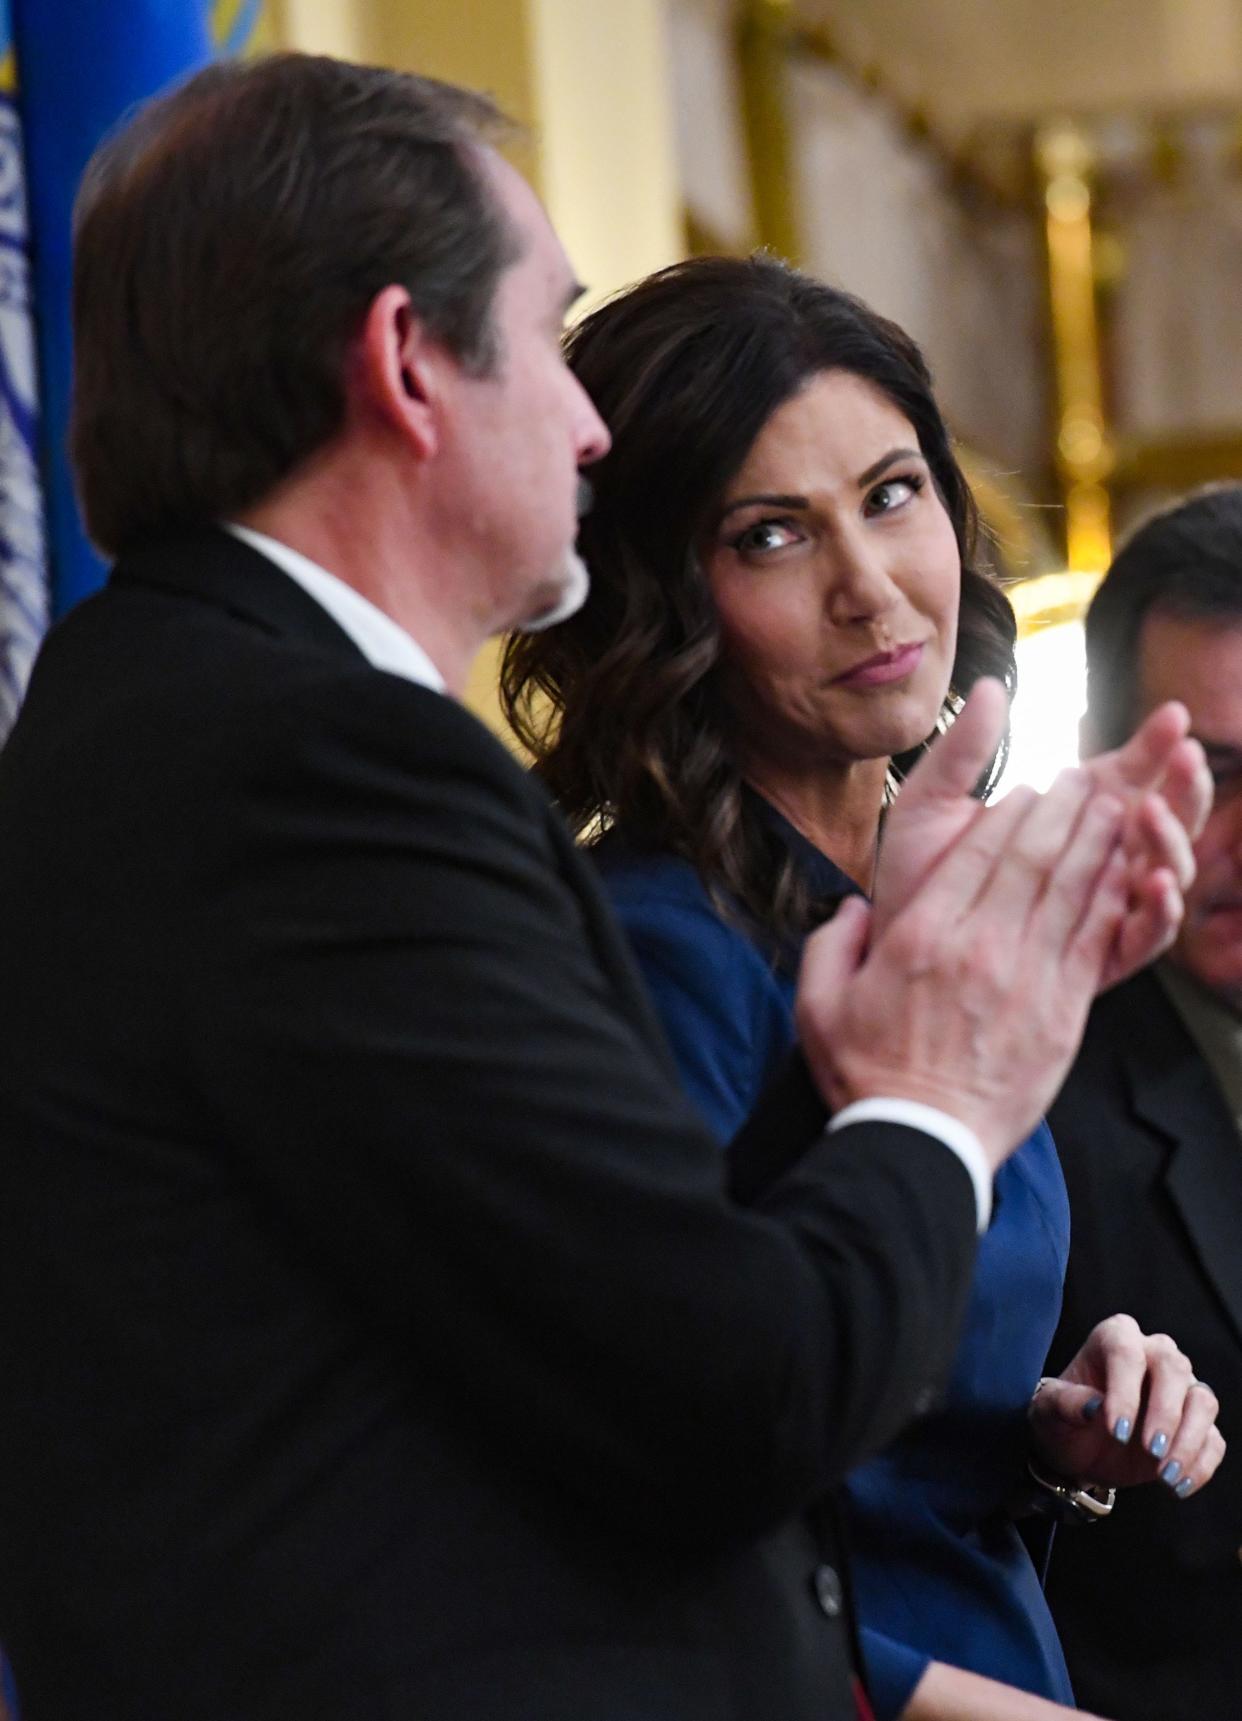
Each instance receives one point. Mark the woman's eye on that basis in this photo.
(892, 493)
(765, 535)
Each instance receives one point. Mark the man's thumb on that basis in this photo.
(956, 760)
(831, 956)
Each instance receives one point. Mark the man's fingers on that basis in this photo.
(954, 888)
(956, 760)
(1142, 762)
(1093, 941)
(1152, 916)
(1155, 837)
(1054, 859)
(1187, 787)
(832, 953)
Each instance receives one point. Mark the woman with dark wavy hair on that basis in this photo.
(786, 603)
(642, 727)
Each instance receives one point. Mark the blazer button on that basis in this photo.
(925, 1401)
(827, 1587)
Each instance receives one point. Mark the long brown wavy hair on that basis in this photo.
(622, 707)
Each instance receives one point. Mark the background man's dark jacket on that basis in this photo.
(1149, 1605)
(377, 1339)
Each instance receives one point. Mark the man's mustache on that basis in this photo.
(586, 495)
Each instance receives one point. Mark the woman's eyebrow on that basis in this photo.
(873, 471)
(767, 501)
(886, 460)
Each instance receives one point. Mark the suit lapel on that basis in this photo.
(1174, 1092)
(213, 567)
(609, 943)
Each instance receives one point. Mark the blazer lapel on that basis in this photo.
(1175, 1093)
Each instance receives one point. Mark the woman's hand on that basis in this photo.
(1128, 1409)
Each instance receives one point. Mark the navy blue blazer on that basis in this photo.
(940, 1572)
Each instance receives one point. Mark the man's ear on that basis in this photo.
(398, 370)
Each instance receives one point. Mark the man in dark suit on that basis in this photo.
(378, 1335)
(1149, 1126)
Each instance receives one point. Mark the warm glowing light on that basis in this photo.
(1052, 694)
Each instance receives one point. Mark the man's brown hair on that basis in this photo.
(228, 242)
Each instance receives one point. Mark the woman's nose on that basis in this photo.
(864, 586)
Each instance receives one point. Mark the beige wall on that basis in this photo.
(967, 62)
(587, 78)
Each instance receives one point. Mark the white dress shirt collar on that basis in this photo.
(378, 637)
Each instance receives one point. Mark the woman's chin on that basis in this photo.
(898, 731)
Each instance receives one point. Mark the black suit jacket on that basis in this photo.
(377, 1336)
(1149, 1606)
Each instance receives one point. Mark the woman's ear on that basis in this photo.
(397, 370)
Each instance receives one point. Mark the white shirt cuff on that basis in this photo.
(956, 1136)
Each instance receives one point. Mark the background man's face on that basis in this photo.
(1200, 662)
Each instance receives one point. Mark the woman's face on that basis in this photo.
(836, 576)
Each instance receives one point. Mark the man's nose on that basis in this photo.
(593, 438)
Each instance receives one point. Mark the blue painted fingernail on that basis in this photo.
(1159, 1445)
(1184, 1486)
(1171, 1472)
(1091, 1409)
(1122, 1429)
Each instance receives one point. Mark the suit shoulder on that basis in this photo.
(191, 708)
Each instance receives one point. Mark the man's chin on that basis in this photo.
(562, 597)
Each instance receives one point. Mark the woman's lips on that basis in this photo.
(885, 666)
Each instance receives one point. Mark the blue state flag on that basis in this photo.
(82, 65)
(23, 564)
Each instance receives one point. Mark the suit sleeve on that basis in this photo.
(414, 1055)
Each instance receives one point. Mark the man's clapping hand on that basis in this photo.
(1160, 776)
(967, 987)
